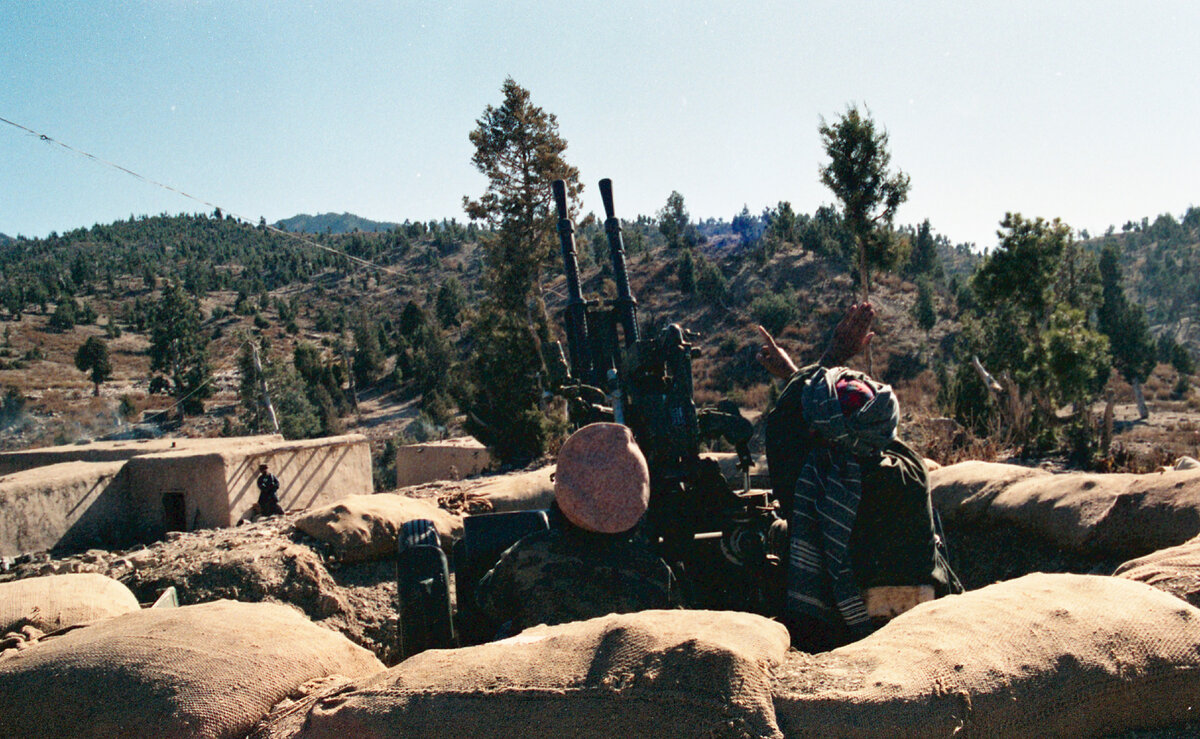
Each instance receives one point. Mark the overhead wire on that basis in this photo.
(289, 234)
(211, 376)
(366, 263)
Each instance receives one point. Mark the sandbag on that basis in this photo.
(962, 492)
(1042, 655)
(209, 670)
(1083, 512)
(58, 601)
(516, 491)
(1175, 570)
(360, 527)
(654, 673)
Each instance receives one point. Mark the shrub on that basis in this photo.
(774, 311)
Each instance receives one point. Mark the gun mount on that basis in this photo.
(616, 374)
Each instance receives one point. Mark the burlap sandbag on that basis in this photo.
(1042, 655)
(1174, 569)
(58, 601)
(360, 527)
(654, 673)
(962, 492)
(209, 670)
(516, 491)
(1083, 512)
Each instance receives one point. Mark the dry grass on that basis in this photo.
(945, 442)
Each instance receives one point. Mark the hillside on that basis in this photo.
(1161, 262)
(383, 345)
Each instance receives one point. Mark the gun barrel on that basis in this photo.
(576, 311)
(625, 303)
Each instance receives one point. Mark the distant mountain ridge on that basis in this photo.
(332, 223)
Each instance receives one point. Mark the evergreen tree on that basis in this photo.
(1026, 321)
(450, 301)
(1125, 325)
(412, 321)
(65, 314)
(519, 149)
(369, 359)
(858, 175)
(710, 281)
(675, 224)
(92, 357)
(923, 310)
(685, 270)
(923, 260)
(501, 392)
(294, 412)
(747, 226)
(179, 348)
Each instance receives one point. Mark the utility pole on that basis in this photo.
(262, 384)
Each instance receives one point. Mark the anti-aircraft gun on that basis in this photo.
(713, 536)
(614, 374)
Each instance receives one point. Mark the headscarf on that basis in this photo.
(820, 583)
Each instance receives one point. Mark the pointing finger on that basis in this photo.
(766, 337)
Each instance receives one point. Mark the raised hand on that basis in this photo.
(775, 360)
(852, 334)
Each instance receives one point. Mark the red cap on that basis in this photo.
(853, 395)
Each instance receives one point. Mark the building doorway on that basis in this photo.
(174, 511)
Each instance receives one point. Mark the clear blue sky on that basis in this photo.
(1088, 111)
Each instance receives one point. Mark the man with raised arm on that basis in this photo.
(860, 544)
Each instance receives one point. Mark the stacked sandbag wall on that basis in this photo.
(208, 671)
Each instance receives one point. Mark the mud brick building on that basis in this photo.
(114, 494)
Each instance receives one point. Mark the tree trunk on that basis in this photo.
(864, 278)
(864, 274)
(262, 384)
(1107, 433)
(1139, 396)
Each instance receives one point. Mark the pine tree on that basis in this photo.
(368, 355)
(859, 177)
(1125, 325)
(450, 301)
(178, 347)
(923, 310)
(519, 149)
(675, 224)
(923, 260)
(1030, 318)
(92, 358)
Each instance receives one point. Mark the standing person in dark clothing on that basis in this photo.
(268, 486)
(861, 543)
(595, 559)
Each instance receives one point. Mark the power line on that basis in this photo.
(211, 376)
(112, 165)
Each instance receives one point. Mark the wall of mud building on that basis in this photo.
(186, 490)
(176, 491)
(112, 451)
(67, 507)
(311, 472)
(452, 459)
